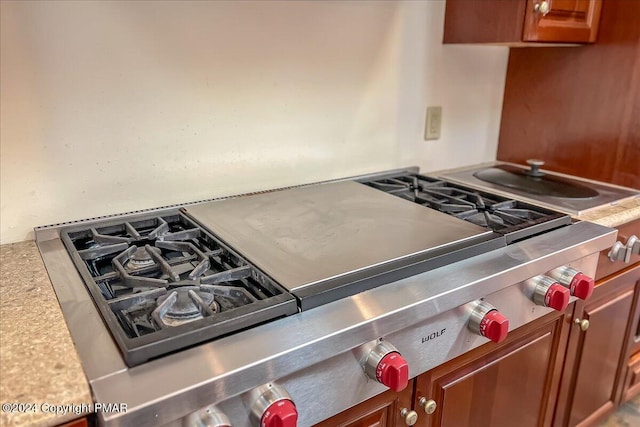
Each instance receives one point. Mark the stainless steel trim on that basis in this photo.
(215, 371)
(98, 352)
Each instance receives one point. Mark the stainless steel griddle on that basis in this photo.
(316, 240)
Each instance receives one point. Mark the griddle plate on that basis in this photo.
(321, 237)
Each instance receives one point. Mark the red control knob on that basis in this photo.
(393, 371)
(557, 297)
(494, 326)
(581, 286)
(281, 413)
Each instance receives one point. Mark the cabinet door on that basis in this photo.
(631, 385)
(499, 386)
(383, 410)
(566, 20)
(596, 361)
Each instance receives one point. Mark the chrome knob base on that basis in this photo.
(373, 357)
(210, 416)
(263, 397)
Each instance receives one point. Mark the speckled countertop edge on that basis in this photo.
(614, 215)
(38, 361)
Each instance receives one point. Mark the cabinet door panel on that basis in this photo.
(600, 353)
(567, 20)
(475, 402)
(514, 384)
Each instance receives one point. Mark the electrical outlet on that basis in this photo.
(433, 122)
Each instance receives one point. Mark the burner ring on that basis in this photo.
(185, 308)
(141, 258)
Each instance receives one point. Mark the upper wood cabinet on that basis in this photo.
(521, 22)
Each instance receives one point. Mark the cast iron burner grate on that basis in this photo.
(512, 218)
(163, 283)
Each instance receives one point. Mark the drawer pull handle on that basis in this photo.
(542, 8)
(429, 406)
(583, 323)
(409, 417)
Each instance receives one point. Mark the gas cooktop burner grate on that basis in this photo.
(160, 279)
(512, 218)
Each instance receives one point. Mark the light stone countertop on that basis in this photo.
(38, 361)
(613, 216)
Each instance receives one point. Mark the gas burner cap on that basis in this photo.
(188, 305)
(141, 258)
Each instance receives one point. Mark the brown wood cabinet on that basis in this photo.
(596, 358)
(513, 384)
(521, 22)
(577, 109)
(631, 383)
(383, 410)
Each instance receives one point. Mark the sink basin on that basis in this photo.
(540, 184)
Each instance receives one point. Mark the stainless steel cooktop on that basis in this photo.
(176, 276)
(312, 240)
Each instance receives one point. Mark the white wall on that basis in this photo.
(109, 107)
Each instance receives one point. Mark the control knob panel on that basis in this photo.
(549, 293)
(487, 321)
(385, 365)
(273, 407)
(580, 285)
